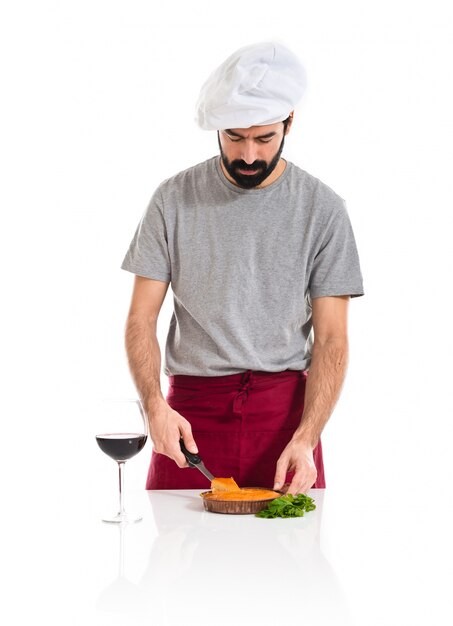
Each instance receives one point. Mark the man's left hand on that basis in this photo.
(298, 456)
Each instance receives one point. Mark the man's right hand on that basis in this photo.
(166, 427)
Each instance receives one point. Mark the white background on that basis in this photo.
(97, 109)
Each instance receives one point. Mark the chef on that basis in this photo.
(262, 262)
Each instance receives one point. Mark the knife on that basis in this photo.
(194, 460)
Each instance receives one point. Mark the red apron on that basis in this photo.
(241, 423)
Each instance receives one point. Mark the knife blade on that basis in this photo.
(195, 461)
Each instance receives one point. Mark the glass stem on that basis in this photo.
(121, 483)
(121, 563)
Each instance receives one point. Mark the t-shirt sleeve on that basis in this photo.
(336, 267)
(148, 251)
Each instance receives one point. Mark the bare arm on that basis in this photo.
(142, 347)
(323, 387)
(166, 426)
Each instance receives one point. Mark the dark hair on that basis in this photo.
(285, 123)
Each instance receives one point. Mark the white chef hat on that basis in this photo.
(257, 85)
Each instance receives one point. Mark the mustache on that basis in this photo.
(242, 165)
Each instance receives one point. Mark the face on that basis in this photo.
(250, 155)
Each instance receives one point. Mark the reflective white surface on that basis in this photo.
(359, 560)
(198, 560)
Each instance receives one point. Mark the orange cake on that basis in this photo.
(221, 485)
(228, 489)
(247, 493)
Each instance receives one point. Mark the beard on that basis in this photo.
(248, 181)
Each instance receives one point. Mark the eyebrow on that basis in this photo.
(266, 136)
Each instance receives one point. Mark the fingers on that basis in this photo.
(179, 458)
(166, 431)
(186, 434)
(302, 481)
(296, 456)
(295, 487)
(189, 441)
(280, 474)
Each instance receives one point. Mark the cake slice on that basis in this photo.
(221, 485)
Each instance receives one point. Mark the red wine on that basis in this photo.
(121, 446)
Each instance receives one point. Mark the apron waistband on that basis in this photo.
(241, 380)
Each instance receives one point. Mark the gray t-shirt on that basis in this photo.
(244, 265)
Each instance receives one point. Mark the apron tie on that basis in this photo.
(241, 396)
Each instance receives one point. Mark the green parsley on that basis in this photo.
(288, 506)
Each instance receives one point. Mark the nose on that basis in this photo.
(249, 152)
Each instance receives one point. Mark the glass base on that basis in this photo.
(123, 518)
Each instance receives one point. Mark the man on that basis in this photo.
(262, 261)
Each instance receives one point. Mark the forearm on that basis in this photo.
(144, 359)
(324, 382)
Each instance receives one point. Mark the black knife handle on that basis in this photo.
(192, 459)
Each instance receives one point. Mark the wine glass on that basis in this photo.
(123, 433)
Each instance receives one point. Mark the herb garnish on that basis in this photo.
(288, 506)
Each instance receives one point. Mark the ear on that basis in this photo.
(291, 116)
